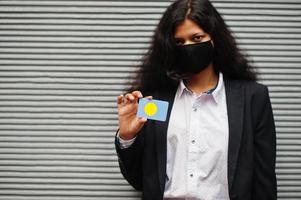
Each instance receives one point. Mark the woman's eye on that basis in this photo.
(178, 43)
(198, 38)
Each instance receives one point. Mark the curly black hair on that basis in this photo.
(227, 58)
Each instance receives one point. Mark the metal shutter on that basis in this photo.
(62, 64)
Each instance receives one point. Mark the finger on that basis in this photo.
(120, 101)
(129, 97)
(149, 97)
(137, 94)
(141, 121)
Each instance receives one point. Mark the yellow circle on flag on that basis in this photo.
(150, 109)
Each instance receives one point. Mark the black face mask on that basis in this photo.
(191, 59)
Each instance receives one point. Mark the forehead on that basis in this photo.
(187, 27)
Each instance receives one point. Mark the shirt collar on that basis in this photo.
(215, 91)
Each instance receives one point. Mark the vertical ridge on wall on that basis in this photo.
(63, 63)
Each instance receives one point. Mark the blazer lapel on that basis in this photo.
(235, 105)
(161, 137)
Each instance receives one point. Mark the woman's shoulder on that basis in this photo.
(258, 93)
(253, 84)
(255, 93)
(252, 87)
(250, 84)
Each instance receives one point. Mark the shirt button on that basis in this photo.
(192, 141)
(195, 109)
(191, 175)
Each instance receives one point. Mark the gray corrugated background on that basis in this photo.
(62, 64)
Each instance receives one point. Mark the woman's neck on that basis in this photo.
(203, 81)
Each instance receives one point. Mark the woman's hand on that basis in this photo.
(129, 123)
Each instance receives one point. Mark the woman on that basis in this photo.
(218, 141)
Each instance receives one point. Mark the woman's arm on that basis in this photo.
(265, 184)
(130, 160)
(130, 127)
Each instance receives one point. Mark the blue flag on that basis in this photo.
(152, 109)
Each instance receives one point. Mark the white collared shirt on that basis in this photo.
(197, 145)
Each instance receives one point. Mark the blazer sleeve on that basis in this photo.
(265, 183)
(130, 160)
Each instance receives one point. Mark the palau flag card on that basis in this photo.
(152, 109)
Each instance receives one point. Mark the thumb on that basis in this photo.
(140, 122)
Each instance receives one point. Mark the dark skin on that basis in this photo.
(187, 32)
(190, 33)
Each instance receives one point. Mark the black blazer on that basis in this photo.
(251, 151)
